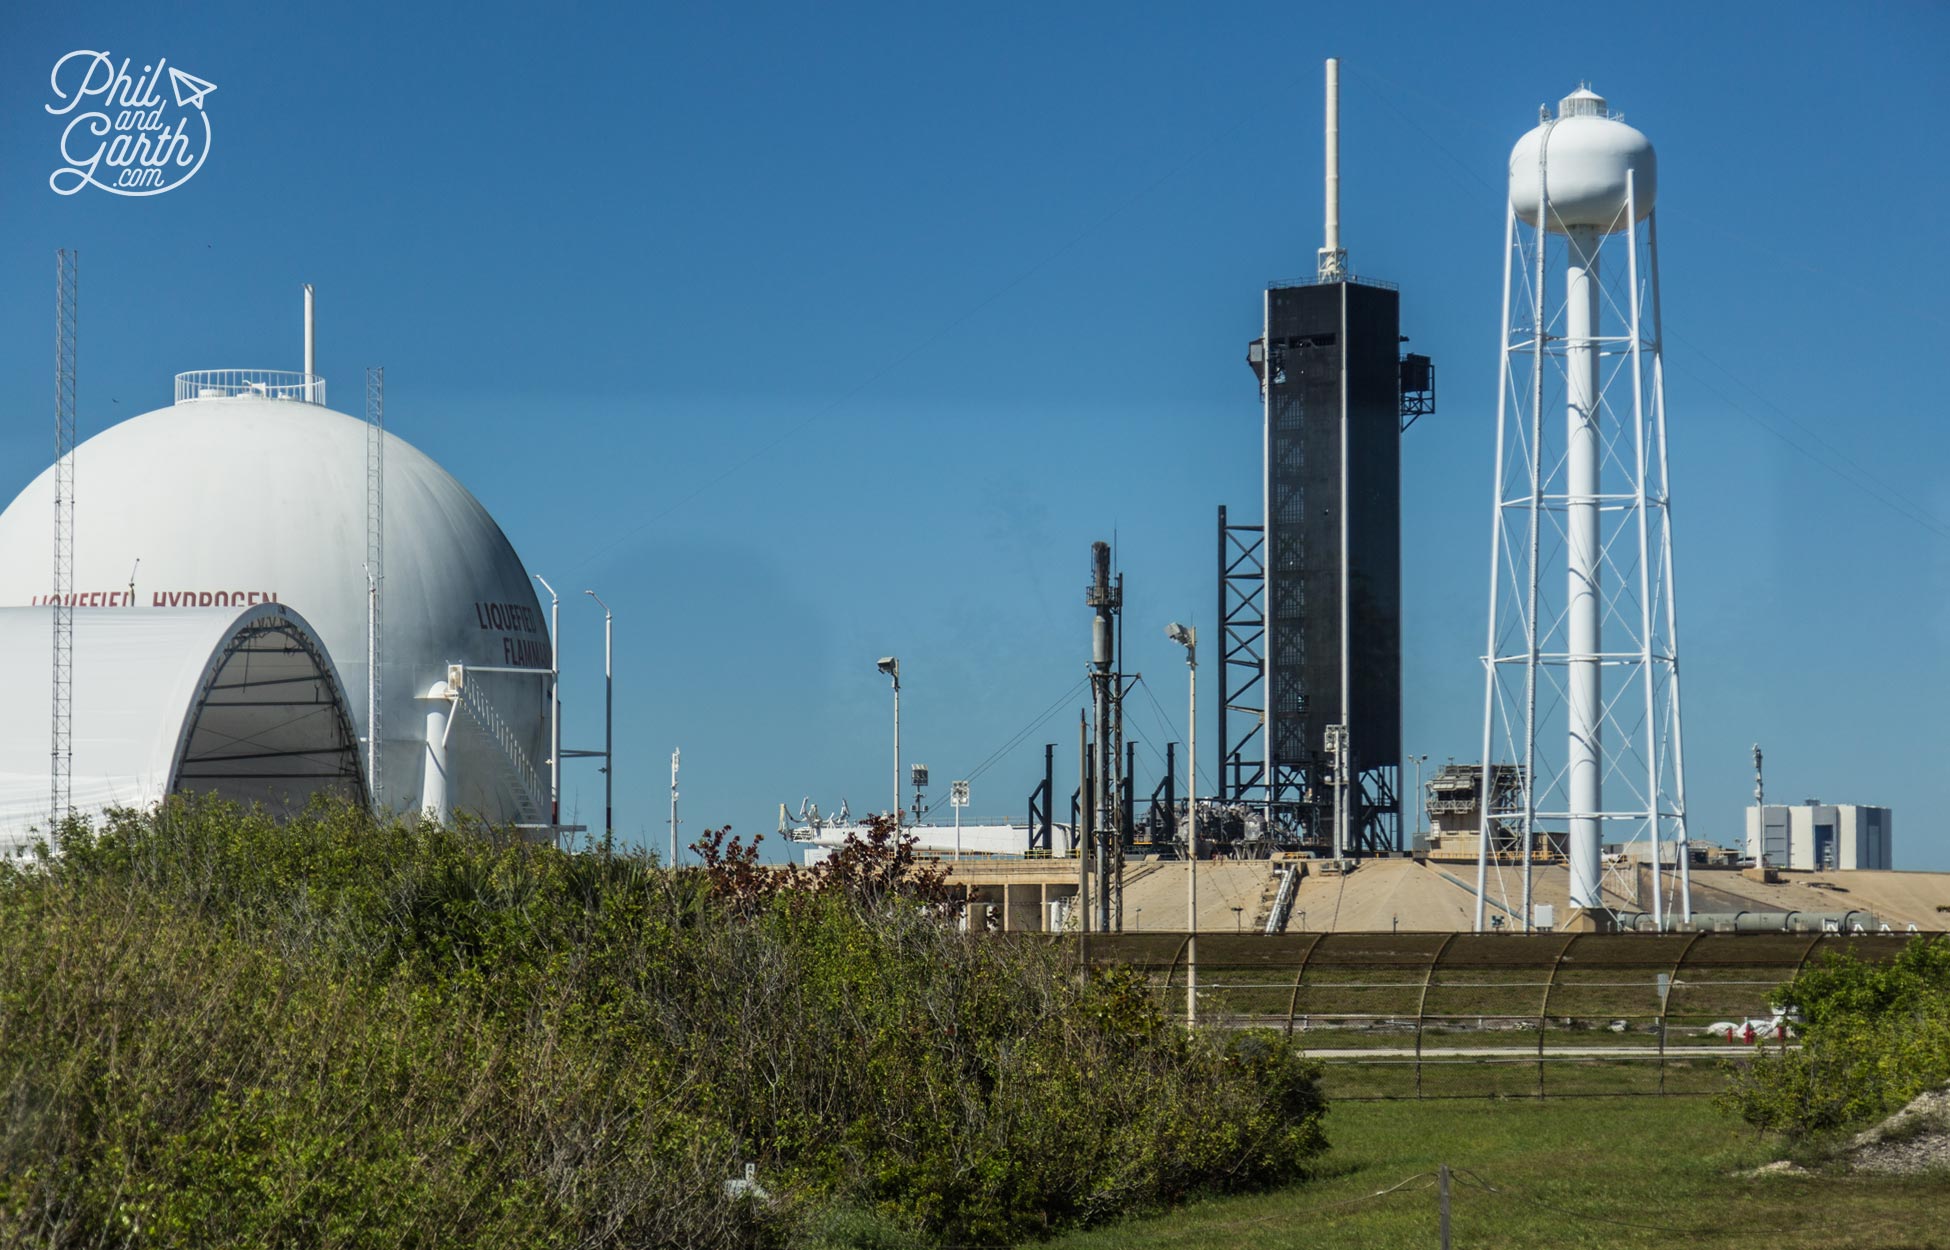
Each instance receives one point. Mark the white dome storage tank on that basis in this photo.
(1586, 155)
(249, 489)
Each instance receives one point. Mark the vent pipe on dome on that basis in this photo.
(311, 336)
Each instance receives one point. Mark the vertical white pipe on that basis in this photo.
(433, 776)
(1584, 608)
(1333, 155)
(311, 335)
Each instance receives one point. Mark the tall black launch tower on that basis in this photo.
(1310, 600)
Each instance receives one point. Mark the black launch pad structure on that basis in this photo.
(1310, 599)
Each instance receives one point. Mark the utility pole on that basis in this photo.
(1105, 598)
(1120, 824)
(1081, 835)
(609, 749)
(673, 808)
(554, 706)
(1418, 761)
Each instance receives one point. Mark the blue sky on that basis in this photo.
(810, 334)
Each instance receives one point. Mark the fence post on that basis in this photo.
(1442, 1202)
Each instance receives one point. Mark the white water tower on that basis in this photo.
(1581, 683)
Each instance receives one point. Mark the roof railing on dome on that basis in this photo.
(306, 388)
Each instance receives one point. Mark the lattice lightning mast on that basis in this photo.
(67, 284)
(375, 566)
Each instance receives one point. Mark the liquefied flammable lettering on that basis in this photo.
(524, 653)
(503, 617)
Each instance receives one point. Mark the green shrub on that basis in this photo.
(1873, 1036)
(216, 1030)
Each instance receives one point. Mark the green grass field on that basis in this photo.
(1622, 1172)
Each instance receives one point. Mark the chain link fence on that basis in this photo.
(1442, 1015)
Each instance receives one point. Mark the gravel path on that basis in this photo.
(1915, 1139)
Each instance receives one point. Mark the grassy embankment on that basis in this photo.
(1622, 1172)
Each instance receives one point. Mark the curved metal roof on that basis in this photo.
(245, 704)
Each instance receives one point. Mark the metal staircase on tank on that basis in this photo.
(511, 764)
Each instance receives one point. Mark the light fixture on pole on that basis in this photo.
(554, 706)
(891, 666)
(609, 743)
(1187, 637)
(958, 797)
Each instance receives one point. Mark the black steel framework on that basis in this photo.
(1310, 601)
(1039, 804)
(1242, 660)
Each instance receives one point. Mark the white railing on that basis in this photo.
(306, 388)
(1283, 901)
(525, 782)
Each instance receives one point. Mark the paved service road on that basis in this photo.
(1529, 1055)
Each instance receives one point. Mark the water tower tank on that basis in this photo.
(1585, 156)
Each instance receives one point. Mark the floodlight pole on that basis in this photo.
(1189, 639)
(891, 666)
(554, 705)
(609, 747)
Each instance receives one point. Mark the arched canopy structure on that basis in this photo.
(243, 704)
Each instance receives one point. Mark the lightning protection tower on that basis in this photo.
(67, 287)
(1581, 681)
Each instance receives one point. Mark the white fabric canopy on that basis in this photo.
(246, 704)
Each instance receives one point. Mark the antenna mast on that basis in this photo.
(375, 552)
(67, 283)
(673, 808)
(1333, 257)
